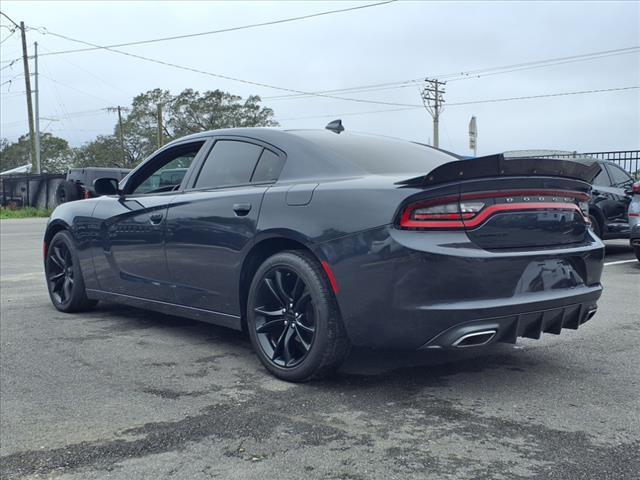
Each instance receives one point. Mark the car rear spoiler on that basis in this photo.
(501, 166)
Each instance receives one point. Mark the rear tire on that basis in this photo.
(64, 277)
(67, 191)
(293, 319)
(595, 226)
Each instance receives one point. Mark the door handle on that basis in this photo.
(242, 209)
(156, 218)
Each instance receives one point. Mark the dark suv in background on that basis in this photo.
(610, 196)
(610, 199)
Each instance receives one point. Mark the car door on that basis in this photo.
(130, 259)
(211, 225)
(617, 206)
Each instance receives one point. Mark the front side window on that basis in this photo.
(618, 176)
(230, 162)
(165, 172)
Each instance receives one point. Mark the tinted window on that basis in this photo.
(618, 176)
(165, 172)
(378, 155)
(268, 168)
(229, 163)
(602, 180)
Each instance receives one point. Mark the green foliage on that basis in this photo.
(187, 113)
(56, 155)
(27, 212)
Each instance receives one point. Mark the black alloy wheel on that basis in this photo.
(285, 323)
(64, 277)
(60, 272)
(293, 318)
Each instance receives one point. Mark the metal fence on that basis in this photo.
(27, 190)
(627, 159)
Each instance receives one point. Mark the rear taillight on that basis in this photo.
(474, 209)
(445, 215)
(635, 188)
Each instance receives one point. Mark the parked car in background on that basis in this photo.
(610, 196)
(315, 240)
(79, 182)
(634, 219)
(609, 203)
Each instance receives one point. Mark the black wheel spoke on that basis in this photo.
(273, 291)
(271, 326)
(305, 327)
(269, 313)
(304, 343)
(298, 287)
(287, 353)
(66, 288)
(56, 276)
(280, 288)
(277, 351)
(304, 298)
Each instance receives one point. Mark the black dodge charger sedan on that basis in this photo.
(316, 240)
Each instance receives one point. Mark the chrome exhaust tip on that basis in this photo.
(475, 339)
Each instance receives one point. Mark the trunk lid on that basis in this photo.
(509, 203)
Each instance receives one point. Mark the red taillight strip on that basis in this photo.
(518, 207)
(485, 214)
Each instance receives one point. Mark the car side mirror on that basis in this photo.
(106, 186)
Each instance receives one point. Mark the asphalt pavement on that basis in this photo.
(120, 393)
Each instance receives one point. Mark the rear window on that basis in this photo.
(378, 155)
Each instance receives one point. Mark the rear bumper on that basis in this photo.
(407, 289)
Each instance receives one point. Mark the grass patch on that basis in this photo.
(27, 212)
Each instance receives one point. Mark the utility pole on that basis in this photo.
(120, 131)
(27, 84)
(121, 135)
(159, 114)
(38, 152)
(433, 100)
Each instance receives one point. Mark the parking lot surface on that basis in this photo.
(120, 393)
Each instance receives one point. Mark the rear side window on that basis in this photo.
(378, 155)
(268, 168)
(602, 180)
(618, 176)
(230, 162)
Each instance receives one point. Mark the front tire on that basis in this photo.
(636, 250)
(595, 226)
(293, 319)
(64, 277)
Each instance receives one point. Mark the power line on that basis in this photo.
(471, 102)
(225, 30)
(478, 73)
(225, 77)
(9, 18)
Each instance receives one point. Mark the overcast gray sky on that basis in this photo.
(388, 43)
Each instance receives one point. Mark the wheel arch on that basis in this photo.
(55, 226)
(262, 249)
(596, 212)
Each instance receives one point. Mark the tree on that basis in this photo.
(189, 112)
(104, 151)
(55, 154)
